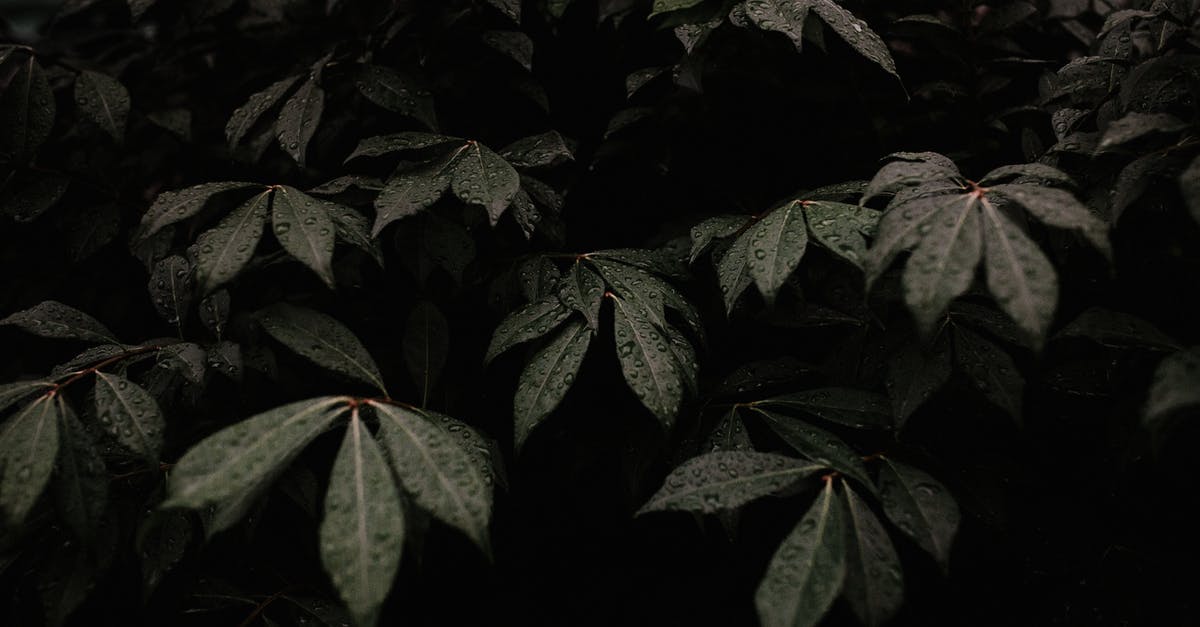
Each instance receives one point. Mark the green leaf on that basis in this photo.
(82, 480)
(583, 291)
(816, 444)
(12, 393)
(1176, 386)
(725, 480)
(222, 251)
(437, 471)
(481, 450)
(246, 116)
(130, 414)
(408, 193)
(176, 206)
(29, 443)
(185, 358)
(943, 265)
(510, 8)
(512, 44)
(807, 571)
(233, 461)
(776, 244)
(533, 320)
(538, 151)
(782, 16)
(547, 377)
(481, 177)
(1189, 187)
(846, 406)
(352, 227)
(1117, 330)
(425, 346)
(298, 119)
(913, 375)
(214, 312)
(920, 506)
(667, 6)
(226, 358)
(1136, 125)
(28, 195)
(171, 285)
(322, 340)
(27, 110)
(733, 272)
(856, 33)
(840, 228)
(991, 371)
(716, 227)
(874, 585)
(396, 92)
(53, 319)
(1060, 209)
(1018, 274)
(103, 100)
(380, 145)
(362, 533)
(304, 229)
(649, 365)
(729, 434)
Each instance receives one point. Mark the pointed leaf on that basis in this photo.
(1019, 276)
(322, 340)
(27, 110)
(407, 194)
(874, 580)
(29, 444)
(913, 375)
(352, 227)
(1059, 208)
(222, 251)
(298, 119)
(396, 92)
(733, 271)
(400, 142)
(232, 461)
(130, 414)
(246, 116)
(171, 286)
(362, 533)
(806, 573)
(176, 206)
(776, 244)
(53, 319)
(920, 506)
(482, 177)
(13, 393)
(649, 365)
(724, 480)
(583, 291)
(1118, 330)
(538, 151)
(713, 228)
(512, 44)
(547, 377)
(991, 371)
(840, 227)
(533, 320)
(816, 444)
(304, 229)
(667, 6)
(82, 479)
(845, 406)
(104, 101)
(426, 343)
(729, 434)
(1176, 386)
(437, 471)
(943, 265)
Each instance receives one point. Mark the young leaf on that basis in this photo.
(298, 119)
(222, 251)
(362, 533)
(426, 343)
(396, 92)
(533, 320)
(232, 461)
(53, 319)
(82, 480)
(1176, 386)
(547, 377)
(176, 206)
(874, 580)
(482, 177)
(27, 110)
(245, 116)
(816, 444)
(920, 506)
(130, 414)
(104, 101)
(724, 480)
(807, 571)
(846, 406)
(304, 229)
(29, 444)
(776, 244)
(650, 367)
(437, 471)
(322, 340)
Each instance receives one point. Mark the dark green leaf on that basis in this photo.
(81, 479)
(104, 101)
(775, 245)
(29, 443)
(13, 393)
(724, 480)
(1176, 386)
(874, 580)
(991, 371)
(816, 444)
(845, 406)
(171, 286)
(426, 344)
(533, 320)
(650, 367)
(547, 377)
(396, 92)
(298, 119)
(322, 340)
(176, 206)
(130, 414)
(583, 291)
(481, 177)
(304, 229)
(55, 320)
(920, 506)
(246, 116)
(222, 251)
(913, 375)
(538, 151)
(27, 111)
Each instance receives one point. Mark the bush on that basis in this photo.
(425, 312)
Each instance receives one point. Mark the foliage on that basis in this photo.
(522, 235)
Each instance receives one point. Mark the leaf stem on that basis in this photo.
(75, 376)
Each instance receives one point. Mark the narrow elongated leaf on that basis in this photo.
(913, 375)
(171, 286)
(724, 480)
(81, 484)
(711, 229)
(395, 92)
(991, 370)
(304, 229)
(1118, 330)
(538, 151)
(547, 377)
(733, 272)
(352, 227)
(426, 343)
(437, 471)
(817, 444)
(510, 8)
(232, 461)
(103, 100)
(298, 119)
(649, 366)
(222, 251)
(246, 116)
(362, 533)
(782, 16)
(1176, 386)
(53, 319)
(840, 228)
(900, 227)
(920, 506)
(481, 449)
(807, 571)
(845, 406)
(322, 340)
(874, 580)
(776, 245)
(729, 434)
(176, 206)
(856, 33)
(29, 444)
(667, 6)
(1018, 274)
(407, 194)
(583, 291)
(533, 320)
(482, 177)
(402, 142)
(512, 44)
(943, 265)
(1059, 208)
(130, 414)
(27, 111)
(13, 393)
(1189, 186)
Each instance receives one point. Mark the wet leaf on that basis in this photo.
(512, 44)
(362, 532)
(396, 92)
(583, 291)
(246, 116)
(53, 319)
(322, 340)
(650, 367)
(298, 119)
(538, 151)
(816, 444)
(408, 193)
(426, 344)
(176, 206)
(1176, 386)
(1118, 330)
(29, 443)
(913, 375)
(991, 371)
(481, 177)
(27, 111)
(874, 585)
(775, 246)
(533, 320)
(13, 393)
(725, 480)
(129, 414)
(103, 100)
(845, 406)
(729, 434)
(222, 251)
(919, 506)
(713, 228)
(81, 484)
(305, 230)
(841, 228)
(547, 377)
(171, 286)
